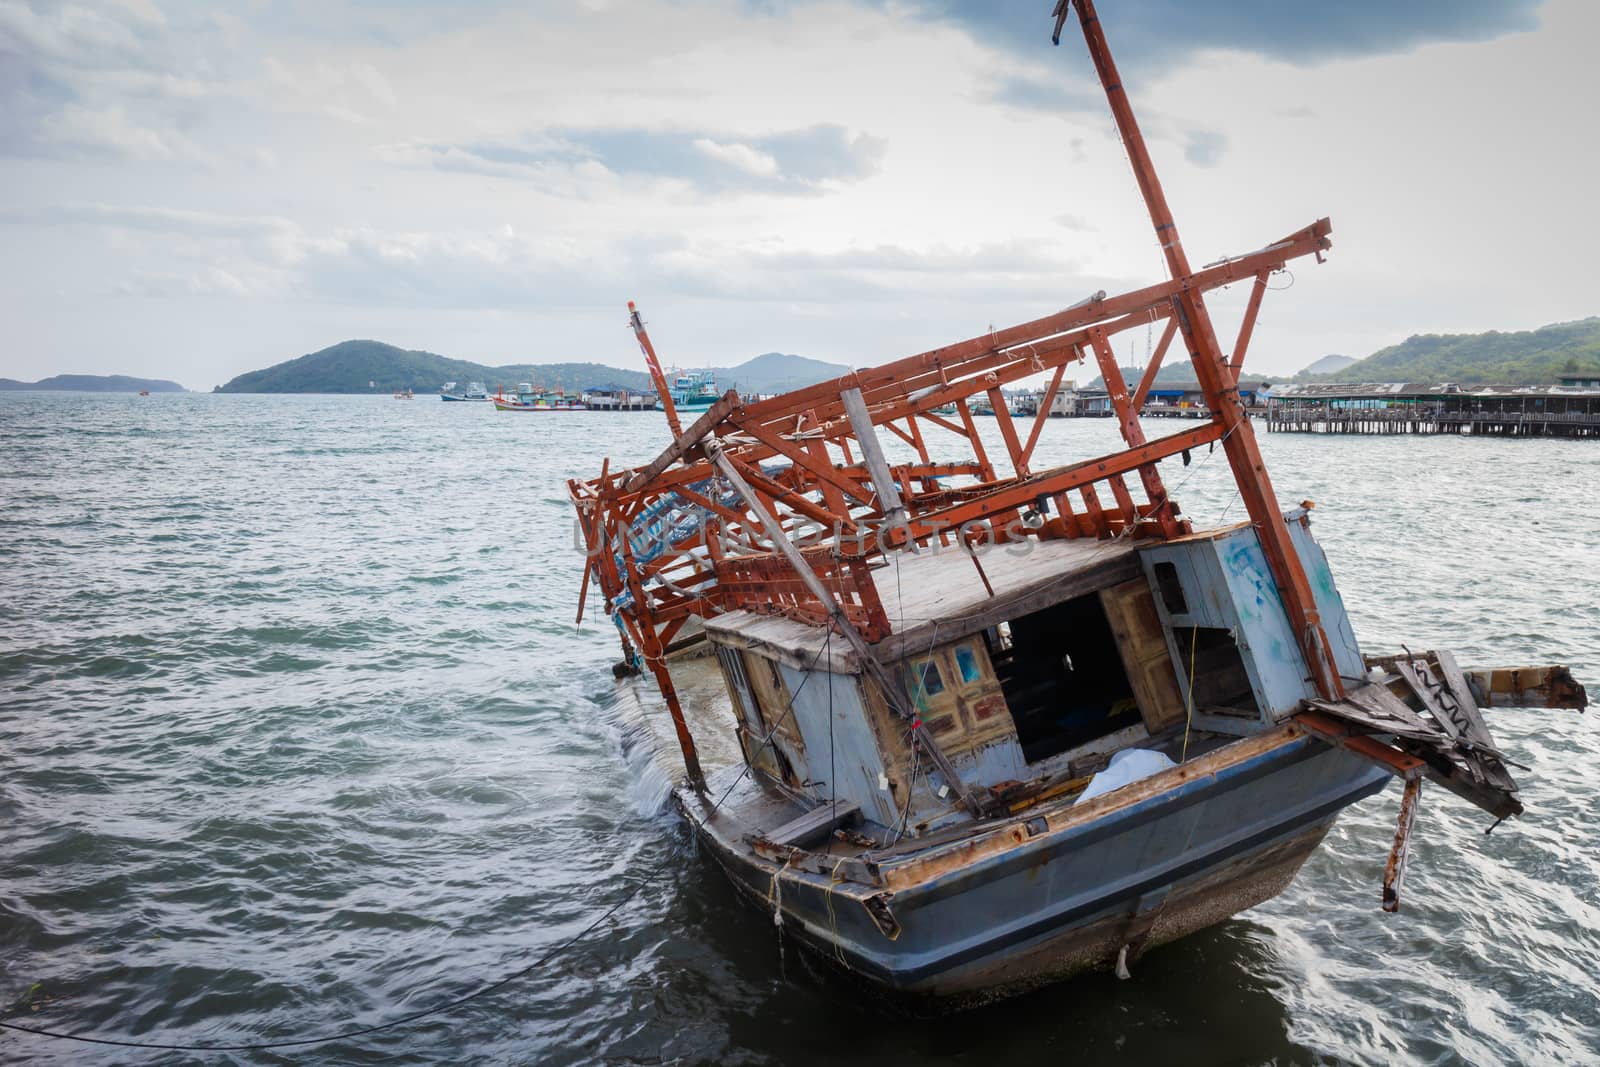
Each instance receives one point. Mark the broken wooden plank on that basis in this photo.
(814, 826)
(1410, 675)
(1487, 758)
(1526, 687)
(1476, 729)
(1376, 714)
(841, 869)
(1435, 759)
(1340, 734)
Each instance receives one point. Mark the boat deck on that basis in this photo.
(942, 591)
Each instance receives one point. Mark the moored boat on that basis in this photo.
(473, 391)
(1002, 722)
(691, 391)
(527, 398)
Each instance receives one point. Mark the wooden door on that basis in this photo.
(1131, 611)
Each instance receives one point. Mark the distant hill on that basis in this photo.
(1178, 370)
(774, 372)
(1529, 357)
(94, 383)
(1327, 365)
(1174, 373)
(349, 367)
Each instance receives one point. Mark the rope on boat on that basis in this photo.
(833, 920)
(1188, 692)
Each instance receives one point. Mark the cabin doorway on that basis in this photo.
(1062, 676)
(1217, 677)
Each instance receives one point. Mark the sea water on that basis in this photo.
(297, 734)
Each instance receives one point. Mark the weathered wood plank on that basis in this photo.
(846, 870)
(814, 826)
(1487, 758)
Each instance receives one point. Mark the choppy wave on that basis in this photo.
(296, 733)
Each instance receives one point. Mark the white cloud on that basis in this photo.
(143, 10)
(111, 130)
(833, 178)
(741, 156)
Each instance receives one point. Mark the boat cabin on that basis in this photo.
(1029, 671)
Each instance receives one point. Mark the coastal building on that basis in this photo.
(1095, 403)
(1065, 401)
(613, 397)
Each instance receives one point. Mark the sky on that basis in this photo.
(195, 190)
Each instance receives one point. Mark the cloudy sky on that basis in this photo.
(193, 190)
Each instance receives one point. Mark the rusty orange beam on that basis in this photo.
(1023, 491)
(1008, 432)
(1247, 325)
(910, 372)
(1043, 413)
(1150, 372)
(821, 468)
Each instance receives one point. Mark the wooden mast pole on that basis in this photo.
(663, 388)
(1216, 376)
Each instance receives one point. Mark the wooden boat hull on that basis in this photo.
(1140, 867)
(507, 405)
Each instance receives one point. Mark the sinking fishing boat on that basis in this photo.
(1003, 722)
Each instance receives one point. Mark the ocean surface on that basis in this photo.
(297, 734)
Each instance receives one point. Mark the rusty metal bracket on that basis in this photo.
(1394, 872)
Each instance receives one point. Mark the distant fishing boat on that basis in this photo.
(692, 390)
(528, 398)
(402, 394)
(473, 391)
(144, 392)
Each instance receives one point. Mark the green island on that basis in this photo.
(1526, 357)
(92, 383)
(375, 367)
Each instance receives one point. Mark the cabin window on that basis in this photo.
(733, 663)
(926, 681)
(1171, 589)
(967, 665)
(1063, 677)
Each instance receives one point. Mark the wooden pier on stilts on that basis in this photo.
(1440, 408)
